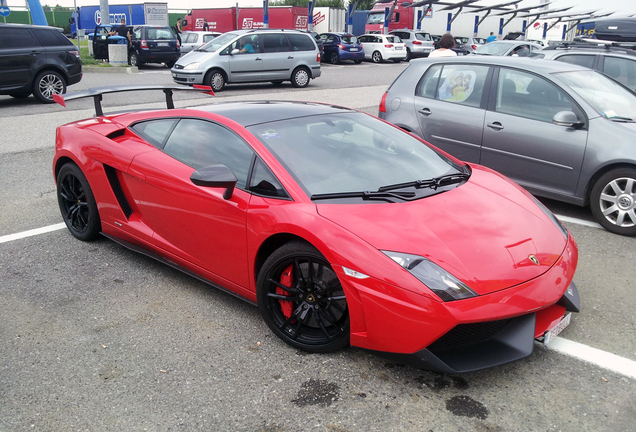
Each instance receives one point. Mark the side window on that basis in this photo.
(428, 85)
(51, 38)
(622, 70)
(330, 39)
(526, 95)
(275, 42)
(364, 39)
(301, 42)
(17, 38)
(137, 33)
(190, 38)
(521, 51)
(462, 84)
(263, 182)
(246, 44)
(578, 59)
(397, 17)
(154, 131)
(200, 143)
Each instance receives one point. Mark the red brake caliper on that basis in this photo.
(286, 279)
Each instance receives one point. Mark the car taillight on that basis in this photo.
(383, 103)
(318, 57)
(417, 43)
(341, 46)
(143, 44)
(474, 47)
(388, 46)
(75, 53)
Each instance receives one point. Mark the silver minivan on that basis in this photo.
(244, 56)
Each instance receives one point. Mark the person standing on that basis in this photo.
(206, 27)
(446, 43)
(491, 38)
(122, 31)
(178, 29)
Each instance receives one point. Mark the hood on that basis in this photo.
(483, 232)
(194, 56)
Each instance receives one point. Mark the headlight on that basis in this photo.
(551, 215)
(445, 285)
(192, 66)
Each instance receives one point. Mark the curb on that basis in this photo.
(113, 69)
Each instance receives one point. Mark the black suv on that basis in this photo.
(154, 44)
(37, 59)
(616, 60)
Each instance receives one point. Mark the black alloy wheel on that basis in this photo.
(301, 299)
(334, 58)
(77, 203)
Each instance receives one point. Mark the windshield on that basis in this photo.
(493, 48)
(609, 98)
(218, 42)
(349, 152)
(375, 18)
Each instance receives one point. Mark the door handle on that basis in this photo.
(495, 126)
(425, 111)
(290, 58)
(258, 58)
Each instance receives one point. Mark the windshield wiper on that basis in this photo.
(621, 119)
(365, 195)
(432, 183)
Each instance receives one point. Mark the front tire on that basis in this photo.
(376, 57)
(300, 77)
(46, 84)
(77, 203)
(301, 299)
(613, 201)
(216, 80)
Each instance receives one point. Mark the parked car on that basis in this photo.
(560, 130)
(508, 48)
(318, 41)
(243, 56)
(37, 60)
(418, 43)
(341, 46)
(154, 44)
(615, 60)
(341, 228)
(459, 48)
(470, 43)
(379, 47)
(196, 39)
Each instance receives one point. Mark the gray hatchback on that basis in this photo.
(560, 130)
(244, 56)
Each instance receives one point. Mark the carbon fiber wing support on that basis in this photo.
(97, 92)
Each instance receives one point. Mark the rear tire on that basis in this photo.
(613, 201)
(46, 84)
(77, 203)
(300, 77)
(215, 79)
(334, 58)
(134, 61)
(171, 64)
(408, 55)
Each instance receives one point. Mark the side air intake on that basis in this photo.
(111, 173)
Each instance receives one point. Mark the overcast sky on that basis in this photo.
(621, 7)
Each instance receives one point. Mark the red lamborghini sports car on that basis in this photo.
(343, 229)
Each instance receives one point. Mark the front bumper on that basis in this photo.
(187, 77)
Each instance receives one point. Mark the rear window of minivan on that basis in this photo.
(301, 42)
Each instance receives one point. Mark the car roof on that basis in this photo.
(527, 63)
(258, 112)
(30, 26)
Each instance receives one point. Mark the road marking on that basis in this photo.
(578, 221)
(33, 232)
(595, 356)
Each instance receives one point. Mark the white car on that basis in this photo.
(195, 39)
(379, 47)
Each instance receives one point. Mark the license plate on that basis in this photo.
(549, 335)
(398, 48)
(162, 43)
(353, 49)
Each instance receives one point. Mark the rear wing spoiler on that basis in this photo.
(97, 92)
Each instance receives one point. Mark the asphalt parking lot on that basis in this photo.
(96, 337)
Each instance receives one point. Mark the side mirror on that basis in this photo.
(234, 52)
(215, 176)
(567, 119)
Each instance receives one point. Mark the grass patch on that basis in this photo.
(87, 59)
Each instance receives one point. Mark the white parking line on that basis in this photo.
(595, 356)
(586, 353)
(578, 221)
(33, 232)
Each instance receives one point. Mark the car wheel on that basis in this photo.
(134, 60)
(613, 201)
(357, 61)
(46, 84)
(408, 55)
(77, 203)
(300, 77)
(20, 95)
(334, 58)
(302, 300)
(216, 80)
(171, 64)
(376, 57)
